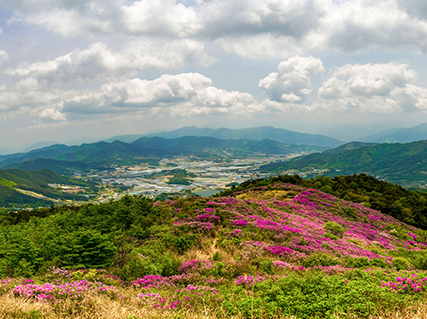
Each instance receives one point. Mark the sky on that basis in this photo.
(74, 70)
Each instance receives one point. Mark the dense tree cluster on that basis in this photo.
(89, 236)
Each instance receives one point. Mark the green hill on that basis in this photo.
(403, 204)
(400, 135)
(405, 164)
(33, 181)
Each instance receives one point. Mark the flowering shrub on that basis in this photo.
(195, 265)
(304, 253)
(183, 298)
(207, 217)
(73, 290)
(406, 284)
(249, 281)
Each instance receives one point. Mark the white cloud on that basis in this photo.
(413, 98)
(366, 24)
(368, 88)
(261, 46)
(161, 17)
(344, 25)
(178, 95)
(223, 18)
(98, 62)
(168, 17)
(416, 8)
(3, 56)
(189, 93)
(68, 17)
(292, 82)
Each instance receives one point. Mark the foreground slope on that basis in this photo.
(274, 251)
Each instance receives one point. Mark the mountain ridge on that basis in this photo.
(255, 133)
(400, 135)
(405, 164)
(102, 155)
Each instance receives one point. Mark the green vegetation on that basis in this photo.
(179, 180)
(405, 205)
(34, 181)
(275, 250)
(101, 156)
(180, 176)
(404, 164)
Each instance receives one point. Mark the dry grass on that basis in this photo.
(270, 194)
(101, 307)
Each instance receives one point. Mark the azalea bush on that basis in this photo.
(274, 251)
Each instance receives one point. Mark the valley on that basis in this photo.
(207, 176)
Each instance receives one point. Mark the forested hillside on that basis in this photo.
(405, 164)
(14, 183)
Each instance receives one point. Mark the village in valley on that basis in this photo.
(202, 177)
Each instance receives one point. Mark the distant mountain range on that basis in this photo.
(405, 164)
(360, 131)
(400, 135)
(62, 159)
(256, 133)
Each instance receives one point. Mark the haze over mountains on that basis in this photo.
(375, 132)
(332, 136)
(400, 135)
(399, 163)
(61, 158)
(256, 133)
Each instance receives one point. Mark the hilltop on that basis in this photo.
(278, 250)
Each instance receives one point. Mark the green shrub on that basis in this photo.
(331, 236)
(314, 296)
(420, 261)
(320, 259)
(219, 269)
(183, 242)
(357, 262)
(349, 212)
(400, 263)
(267, 266)
(334, 229)
(216, 256)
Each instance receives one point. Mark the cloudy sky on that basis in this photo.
(73, 69)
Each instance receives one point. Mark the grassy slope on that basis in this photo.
(276, 251)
